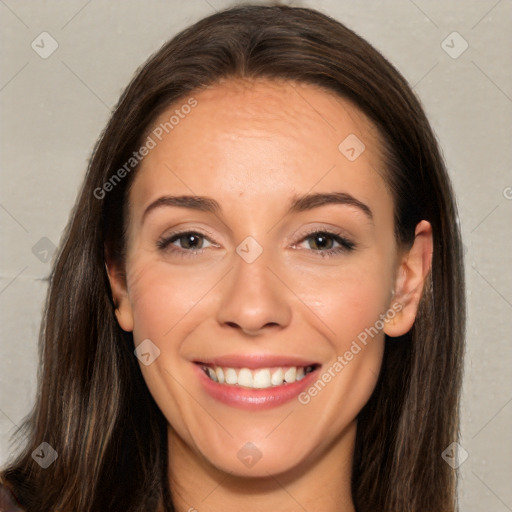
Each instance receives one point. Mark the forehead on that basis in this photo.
(260, 138)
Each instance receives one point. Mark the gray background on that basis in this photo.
(54, 108)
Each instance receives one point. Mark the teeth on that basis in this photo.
(211, 373)
(231, 376)
(261, 378)
(290, 374)
(245, 378)
(220, 374)
(277, 377)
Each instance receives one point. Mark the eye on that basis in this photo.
(190, 243)
(324, 243)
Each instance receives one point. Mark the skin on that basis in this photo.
(252, 146)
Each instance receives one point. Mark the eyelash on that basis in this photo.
(164, 244)
(345, 245)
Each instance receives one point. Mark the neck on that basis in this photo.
(320, 483)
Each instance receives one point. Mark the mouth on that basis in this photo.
(255, 382)
(257, 378)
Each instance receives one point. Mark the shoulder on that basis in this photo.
(8, 502)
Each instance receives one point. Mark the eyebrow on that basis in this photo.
(299, 203)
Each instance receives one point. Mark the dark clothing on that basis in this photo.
(8, 502)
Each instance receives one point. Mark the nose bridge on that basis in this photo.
(253, 297)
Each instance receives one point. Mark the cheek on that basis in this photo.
(163, 297)
(350, 299)
(353, 311)
(352, 306)
(166, 304)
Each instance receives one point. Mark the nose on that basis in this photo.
(254, 298)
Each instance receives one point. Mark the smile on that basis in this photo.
(258, 378)
(255, 381)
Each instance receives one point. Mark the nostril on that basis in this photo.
(257, 331)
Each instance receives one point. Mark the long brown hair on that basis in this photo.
(93, 406)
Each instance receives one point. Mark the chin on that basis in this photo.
(258, 459)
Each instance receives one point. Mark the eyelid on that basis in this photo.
(328, 230)
(182, 231)
(166, 240)
(345, 242)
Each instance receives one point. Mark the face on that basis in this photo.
(264, 300)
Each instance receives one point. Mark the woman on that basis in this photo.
(258, 301)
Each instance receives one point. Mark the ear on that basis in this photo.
(411, 275)
(123, 311)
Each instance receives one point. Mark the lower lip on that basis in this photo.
(254, 399)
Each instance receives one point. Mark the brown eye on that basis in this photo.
(321, 241)
(187, 241)
(325, 243)
(190, 241)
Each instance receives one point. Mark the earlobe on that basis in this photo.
(120, 297)
(410, 280)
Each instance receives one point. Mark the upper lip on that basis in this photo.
(254, 361)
